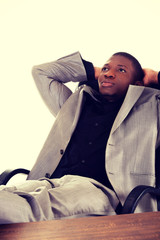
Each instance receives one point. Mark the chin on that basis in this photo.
(107, 93)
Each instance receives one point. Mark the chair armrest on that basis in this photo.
(9, 173)
(136, 195)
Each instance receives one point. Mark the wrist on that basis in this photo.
(155, 77)
(97, 71)
(159, 78)
(89, 68)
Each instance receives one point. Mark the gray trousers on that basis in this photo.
(47, 199)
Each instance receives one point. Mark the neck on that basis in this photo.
(113, 98)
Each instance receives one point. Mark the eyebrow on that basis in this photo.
(122, 65)
(119, 65)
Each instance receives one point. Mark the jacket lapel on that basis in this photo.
(133, 94)
(77, 107)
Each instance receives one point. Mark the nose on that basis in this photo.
(109, 74)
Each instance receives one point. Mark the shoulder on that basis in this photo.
(146, 91)
(147, 94)
(151, 93)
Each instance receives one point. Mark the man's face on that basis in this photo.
(115, 77)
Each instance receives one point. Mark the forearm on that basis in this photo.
(66, 69)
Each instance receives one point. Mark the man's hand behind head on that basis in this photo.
(150, 77)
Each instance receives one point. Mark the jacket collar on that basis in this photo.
(133, 94)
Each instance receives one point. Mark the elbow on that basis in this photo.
(35, 71)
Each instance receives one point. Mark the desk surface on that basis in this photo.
(144, 226)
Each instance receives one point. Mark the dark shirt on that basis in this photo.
(85, 153)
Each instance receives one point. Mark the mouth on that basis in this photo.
(107, 84)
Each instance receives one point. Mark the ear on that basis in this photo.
(139, 83)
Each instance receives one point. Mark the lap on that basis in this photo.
(67, 197)
(14, 209)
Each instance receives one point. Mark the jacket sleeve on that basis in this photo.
(50, 79)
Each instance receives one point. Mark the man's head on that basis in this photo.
(121, 70)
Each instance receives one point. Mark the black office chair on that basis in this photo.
(140, 191)
(132, 199)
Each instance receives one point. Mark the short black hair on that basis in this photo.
(138, 73)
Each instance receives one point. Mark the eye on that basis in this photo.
(122, 70)
(105, 69)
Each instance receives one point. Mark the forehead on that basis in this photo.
(120, 60)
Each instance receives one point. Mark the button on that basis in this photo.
(83, 161)
(96, 124)
(90, 143)
(61, 151)
(47, 175)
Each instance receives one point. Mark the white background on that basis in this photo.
(38, 31)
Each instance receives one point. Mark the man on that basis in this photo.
(100, 147)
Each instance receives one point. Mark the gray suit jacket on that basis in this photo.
(130, 151)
